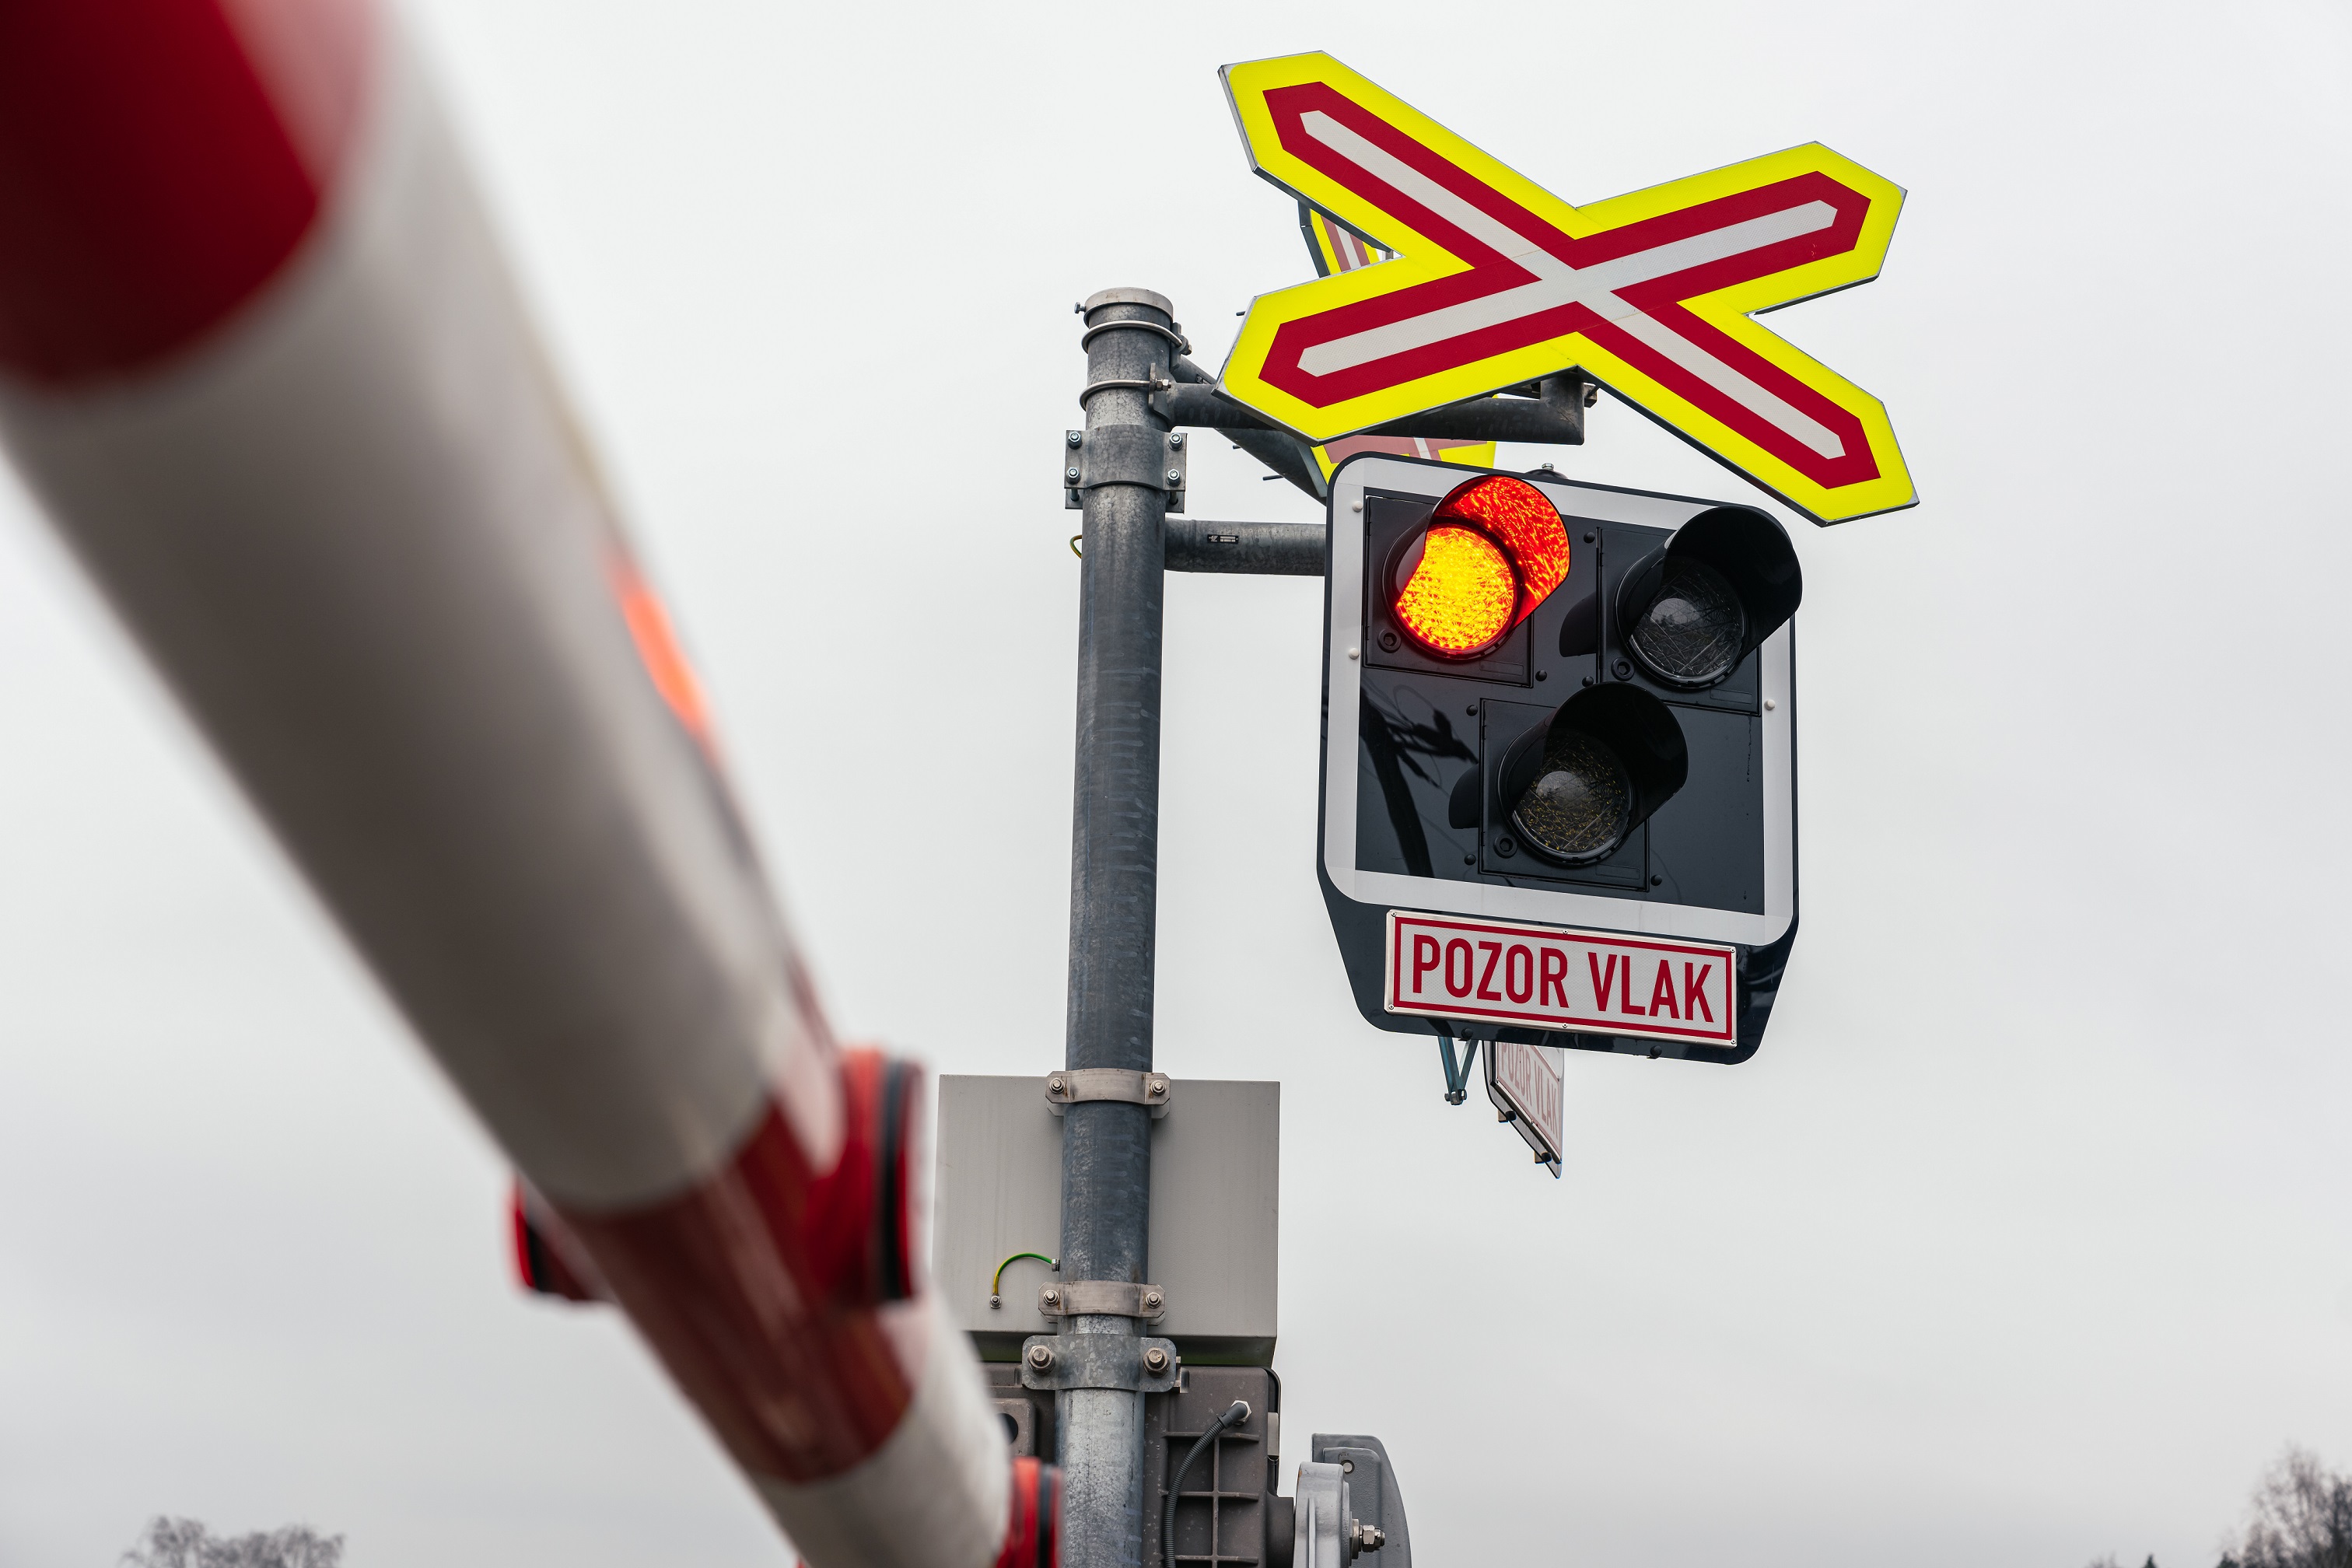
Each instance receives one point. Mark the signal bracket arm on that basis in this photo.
(1267, 548)
(1554, 416)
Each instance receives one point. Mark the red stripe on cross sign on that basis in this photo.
(1543, 977)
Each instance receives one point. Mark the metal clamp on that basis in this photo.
(1184, 345)
(1156, 384)
(1124, 455)
(1074, 1085)
(1051, 1362)
(1102, 1298)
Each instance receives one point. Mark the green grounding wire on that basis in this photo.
(996, 1285)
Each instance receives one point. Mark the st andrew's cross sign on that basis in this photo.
(1496, 282)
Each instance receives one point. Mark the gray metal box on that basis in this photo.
(1215, 1160)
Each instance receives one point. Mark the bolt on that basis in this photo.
(1622, 670)
(1657, 881)
(1175, 475)
(1504, 847)
(1543, 675)
(1040, 1357)
(1155, 1359)
(1152, 1299)
(996, 1303)
(1346, 1466)
(1052, 1298)
(1176, 440)
(1355, 506)
(1071, 475)
(1355, 653)
(1469, 860)
(1388, 642)
(1078, 438)
(1472, 710)
(1590, 536)
(1588, 680)
(1769, 705)
(1156, 1086)
(1057, 1085)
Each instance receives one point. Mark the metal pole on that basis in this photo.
(1114, 887)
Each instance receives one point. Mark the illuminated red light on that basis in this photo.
(1494, 550)
(1462, 593)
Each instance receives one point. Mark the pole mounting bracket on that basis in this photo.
(1056, 1361)
(1072, 1085)
(1102, 1298)
(1124, 455)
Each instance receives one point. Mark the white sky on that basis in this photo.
(2026, 1238)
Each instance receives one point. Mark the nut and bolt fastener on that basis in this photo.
(1057, 1085)
(1175, 475)
(1040, 1357)
(1176, 439)
(1622, 670)
(1388, 642)
(1077, 437)
(1071, 475)
(1155, 1359)
(1156, 1086)
(1052, 1298)
(1152, 1299)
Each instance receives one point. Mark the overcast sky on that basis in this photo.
(2026, 1239)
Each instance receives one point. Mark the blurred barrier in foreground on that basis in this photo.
(263, 365)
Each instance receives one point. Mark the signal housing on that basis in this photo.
(1428, 759)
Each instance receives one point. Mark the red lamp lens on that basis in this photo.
(1461, 594)
(1495, 549)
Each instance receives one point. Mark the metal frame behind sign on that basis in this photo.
(1360, 900)
(1528, 1089)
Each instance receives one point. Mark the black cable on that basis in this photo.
(1235, 1414)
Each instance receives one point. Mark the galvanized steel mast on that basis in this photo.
(1131, 342)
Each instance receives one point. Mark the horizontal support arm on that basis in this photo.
(1555, 418)
(1267, 548)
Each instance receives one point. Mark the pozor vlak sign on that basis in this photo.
(1539, 977)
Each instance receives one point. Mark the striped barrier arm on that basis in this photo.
(261, 362)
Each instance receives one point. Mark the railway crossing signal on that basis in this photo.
(1558, 781)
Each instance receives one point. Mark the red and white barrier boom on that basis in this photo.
(261, 360)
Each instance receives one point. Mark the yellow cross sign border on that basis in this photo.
(1418, 259)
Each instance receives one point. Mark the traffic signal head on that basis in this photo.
(1697, 604)
(1558, 714)
(1573, 786)
(1491, 550)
